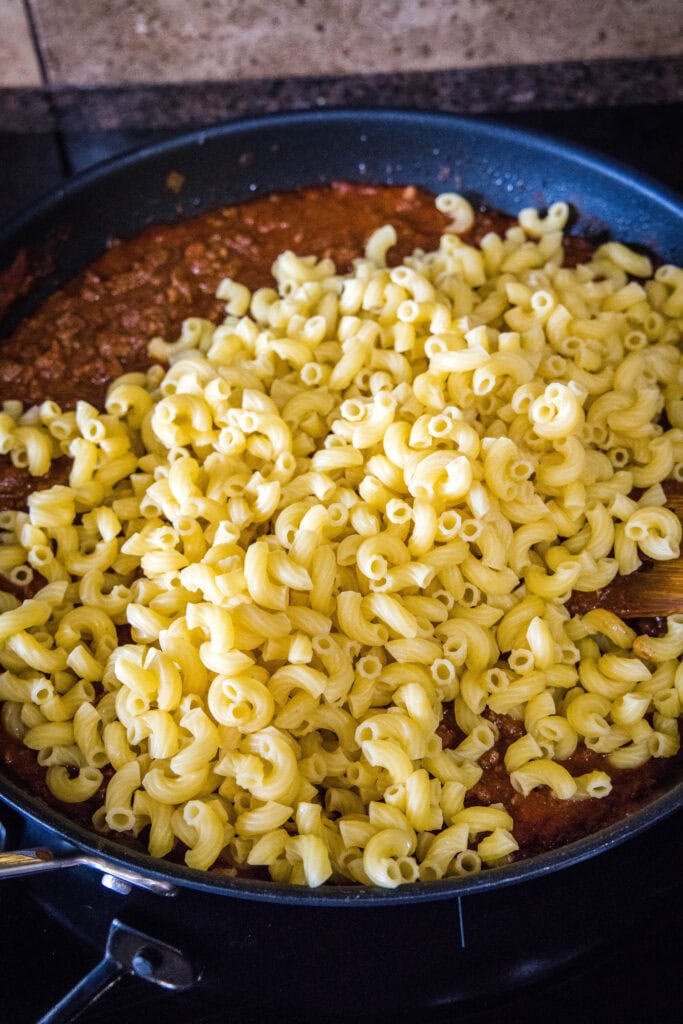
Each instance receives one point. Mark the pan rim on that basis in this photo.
(581, 155)
(664, 805)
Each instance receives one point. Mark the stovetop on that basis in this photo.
(627, 973)
(631, 978)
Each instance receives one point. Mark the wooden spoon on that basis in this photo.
(655, 590)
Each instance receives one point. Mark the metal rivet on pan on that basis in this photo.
(116, 884)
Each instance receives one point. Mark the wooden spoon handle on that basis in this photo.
(655, 590)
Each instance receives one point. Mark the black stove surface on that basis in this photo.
(631, 971)
(628, 972)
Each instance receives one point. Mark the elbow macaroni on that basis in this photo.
(361, 497)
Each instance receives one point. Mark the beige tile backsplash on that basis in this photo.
(94, 42)
(18, 61)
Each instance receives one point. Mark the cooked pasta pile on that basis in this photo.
(361, 497)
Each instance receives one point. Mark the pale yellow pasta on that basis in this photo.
(482, 819)
(116, 744)
(28, 648)
(466, 863)
(594, 785)
(554, 732)
(535, 224)
(87, 725)
(544, 772)
(203, 746)
(457, 207)
(355, 624)
(31, 448)
(363, 497)
(521, 751)
(497, 846)
(626, 259)
(657, 531)
(386, 858)
(242, 702)
(120, 816)
(442, 851)
(209, 828)
(168, 789)
(14, 688)
(63, 706)
(270, 815)
(660, 649)
(161, 836)
(49, 734)
(389, 755)
(70, 757)
(268, 847)
(312, 853)
(587, 713)
(31, 613)
(630, 755)
(73, 789)
(276, 776)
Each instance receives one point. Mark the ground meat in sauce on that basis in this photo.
(16, 483)
(542, 822)
(99, 325)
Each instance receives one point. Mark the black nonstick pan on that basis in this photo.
(505, 169)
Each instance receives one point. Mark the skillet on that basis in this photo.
(505, 168)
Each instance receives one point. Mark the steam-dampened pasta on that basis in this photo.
(359, 498)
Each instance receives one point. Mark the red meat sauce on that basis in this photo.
(99, 326)
(541, 821)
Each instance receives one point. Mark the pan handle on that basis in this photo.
(16, 863)
(128, 952)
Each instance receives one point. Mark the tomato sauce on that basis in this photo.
(99, 325)
(543, 822)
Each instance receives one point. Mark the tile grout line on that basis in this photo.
(65, 163)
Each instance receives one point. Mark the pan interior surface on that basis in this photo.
(500, 167)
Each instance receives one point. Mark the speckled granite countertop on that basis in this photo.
(474, 90)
